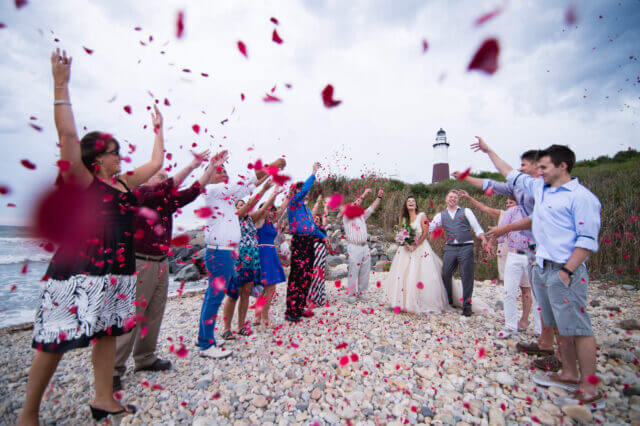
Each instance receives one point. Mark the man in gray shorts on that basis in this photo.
(565, 224)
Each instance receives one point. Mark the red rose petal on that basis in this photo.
(327, 97)
(28, 164)
(464, 174)
(196, 128)
(35, 127)
(20, 3)
(181, 240)
(243, 49)
(4, 190)
(354, 357)
(180, 24)
(488, 16)
(182, 352)
(352, 211)
(335, 201)
(570, 15)
(274, 20)
(342, 345)
(486, 58)
(203, 212)
(344, 361)
(271, 98)
(425, 45)
(397, 310)
(275, 37)
(86, 49)
(63, 165)
(127, 109)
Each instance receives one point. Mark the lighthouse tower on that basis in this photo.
(440, 157)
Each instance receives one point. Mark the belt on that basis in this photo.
(525, 252)
(459, 244)
(546, 263)
(159, 258)
(211, 247)
(357, 244)
(266, 245)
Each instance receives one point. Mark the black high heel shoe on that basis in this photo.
(99, 414)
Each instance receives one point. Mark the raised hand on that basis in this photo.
(268, 184)
(280, 163)
(60, 68)
(457, 174)
(496, 232)
(480, 145)
(463, 194)
(316, 166)
(218, 159)
(380, 193)
(156, 119)
(199, 158)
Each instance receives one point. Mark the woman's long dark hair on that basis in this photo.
(92, 145)
(405, 210)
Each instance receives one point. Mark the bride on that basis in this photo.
(414, 283)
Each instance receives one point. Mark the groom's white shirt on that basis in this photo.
(473, 221)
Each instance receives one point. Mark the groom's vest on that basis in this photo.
(457, 228)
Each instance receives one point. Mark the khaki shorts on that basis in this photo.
(563, 306)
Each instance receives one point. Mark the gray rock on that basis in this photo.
(427, 412)
(499, 304)
(337, 272)
(336, 260)
(302, 406)
(188, 273)
(595, 303)
(505, 379)
(612, 308)
(203, 384)
(629, 324)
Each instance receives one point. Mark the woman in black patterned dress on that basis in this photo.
(87, 297)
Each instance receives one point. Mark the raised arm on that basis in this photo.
(261, 175)
(495, 213)
(260, 214)
(498, 231)
(372, 208)
(306, 187)
(359, 200)
(500, 164)
(253, 200)
(283, 208)
(477, 182)
(143, 173)
(65, 123)
(198, 159)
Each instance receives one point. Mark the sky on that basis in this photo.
(557, 82)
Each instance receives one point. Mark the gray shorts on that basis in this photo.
(562, 306)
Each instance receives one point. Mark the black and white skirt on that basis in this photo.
(317, 290)
(75, 311)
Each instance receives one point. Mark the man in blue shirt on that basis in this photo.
(565, 224)
(304, 231)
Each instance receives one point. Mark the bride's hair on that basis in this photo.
(405, 210)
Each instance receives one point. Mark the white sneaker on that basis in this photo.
(505, 333)
(216, 353)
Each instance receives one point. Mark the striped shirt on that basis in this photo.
(355, 230)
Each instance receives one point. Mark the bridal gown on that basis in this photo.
(414, 282)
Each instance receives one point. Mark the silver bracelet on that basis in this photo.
(61, 103)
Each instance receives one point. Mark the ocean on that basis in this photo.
(19, 292)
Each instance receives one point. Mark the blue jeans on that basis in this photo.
(219, 263)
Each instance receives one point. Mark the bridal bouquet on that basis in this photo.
(405, 234)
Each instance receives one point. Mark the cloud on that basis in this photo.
(552, 86)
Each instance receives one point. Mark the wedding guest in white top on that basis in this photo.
(355, 231)
(222, 235)
(565, 224)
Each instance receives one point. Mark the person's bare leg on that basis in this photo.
(103, 357)
(227, 312)
(268, 295)
(43, 366)
(545, 341)
(586, 349)
(569, 357)
(243, 304)
(527, 301)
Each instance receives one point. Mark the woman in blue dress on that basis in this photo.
(271, 269)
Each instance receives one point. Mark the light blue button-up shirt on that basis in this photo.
(563, 218)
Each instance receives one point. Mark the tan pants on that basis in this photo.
(152, 286)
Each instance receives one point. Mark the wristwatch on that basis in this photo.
(565, 269)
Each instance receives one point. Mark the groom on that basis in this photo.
(458, 250)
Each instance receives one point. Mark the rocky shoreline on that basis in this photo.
(400, 368)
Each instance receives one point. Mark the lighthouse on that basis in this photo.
(440, 157)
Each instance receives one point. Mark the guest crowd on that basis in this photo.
(110, 289)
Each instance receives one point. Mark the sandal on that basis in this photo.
(99, 414)
(228, 335)
(244, 331)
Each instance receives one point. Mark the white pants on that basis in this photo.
(359, 268)
(515, 267)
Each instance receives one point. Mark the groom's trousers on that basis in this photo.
(454, 256)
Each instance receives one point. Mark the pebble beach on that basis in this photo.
(351, 363)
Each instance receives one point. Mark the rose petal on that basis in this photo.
(486, 58)
(180, 24)
(327, 97)
(275, 37)
(243, 49)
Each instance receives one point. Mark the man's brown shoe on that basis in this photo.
(548, 363)
(532, 349)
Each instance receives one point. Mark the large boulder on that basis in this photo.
(188, 273)
(336, 260)
(336, 272)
